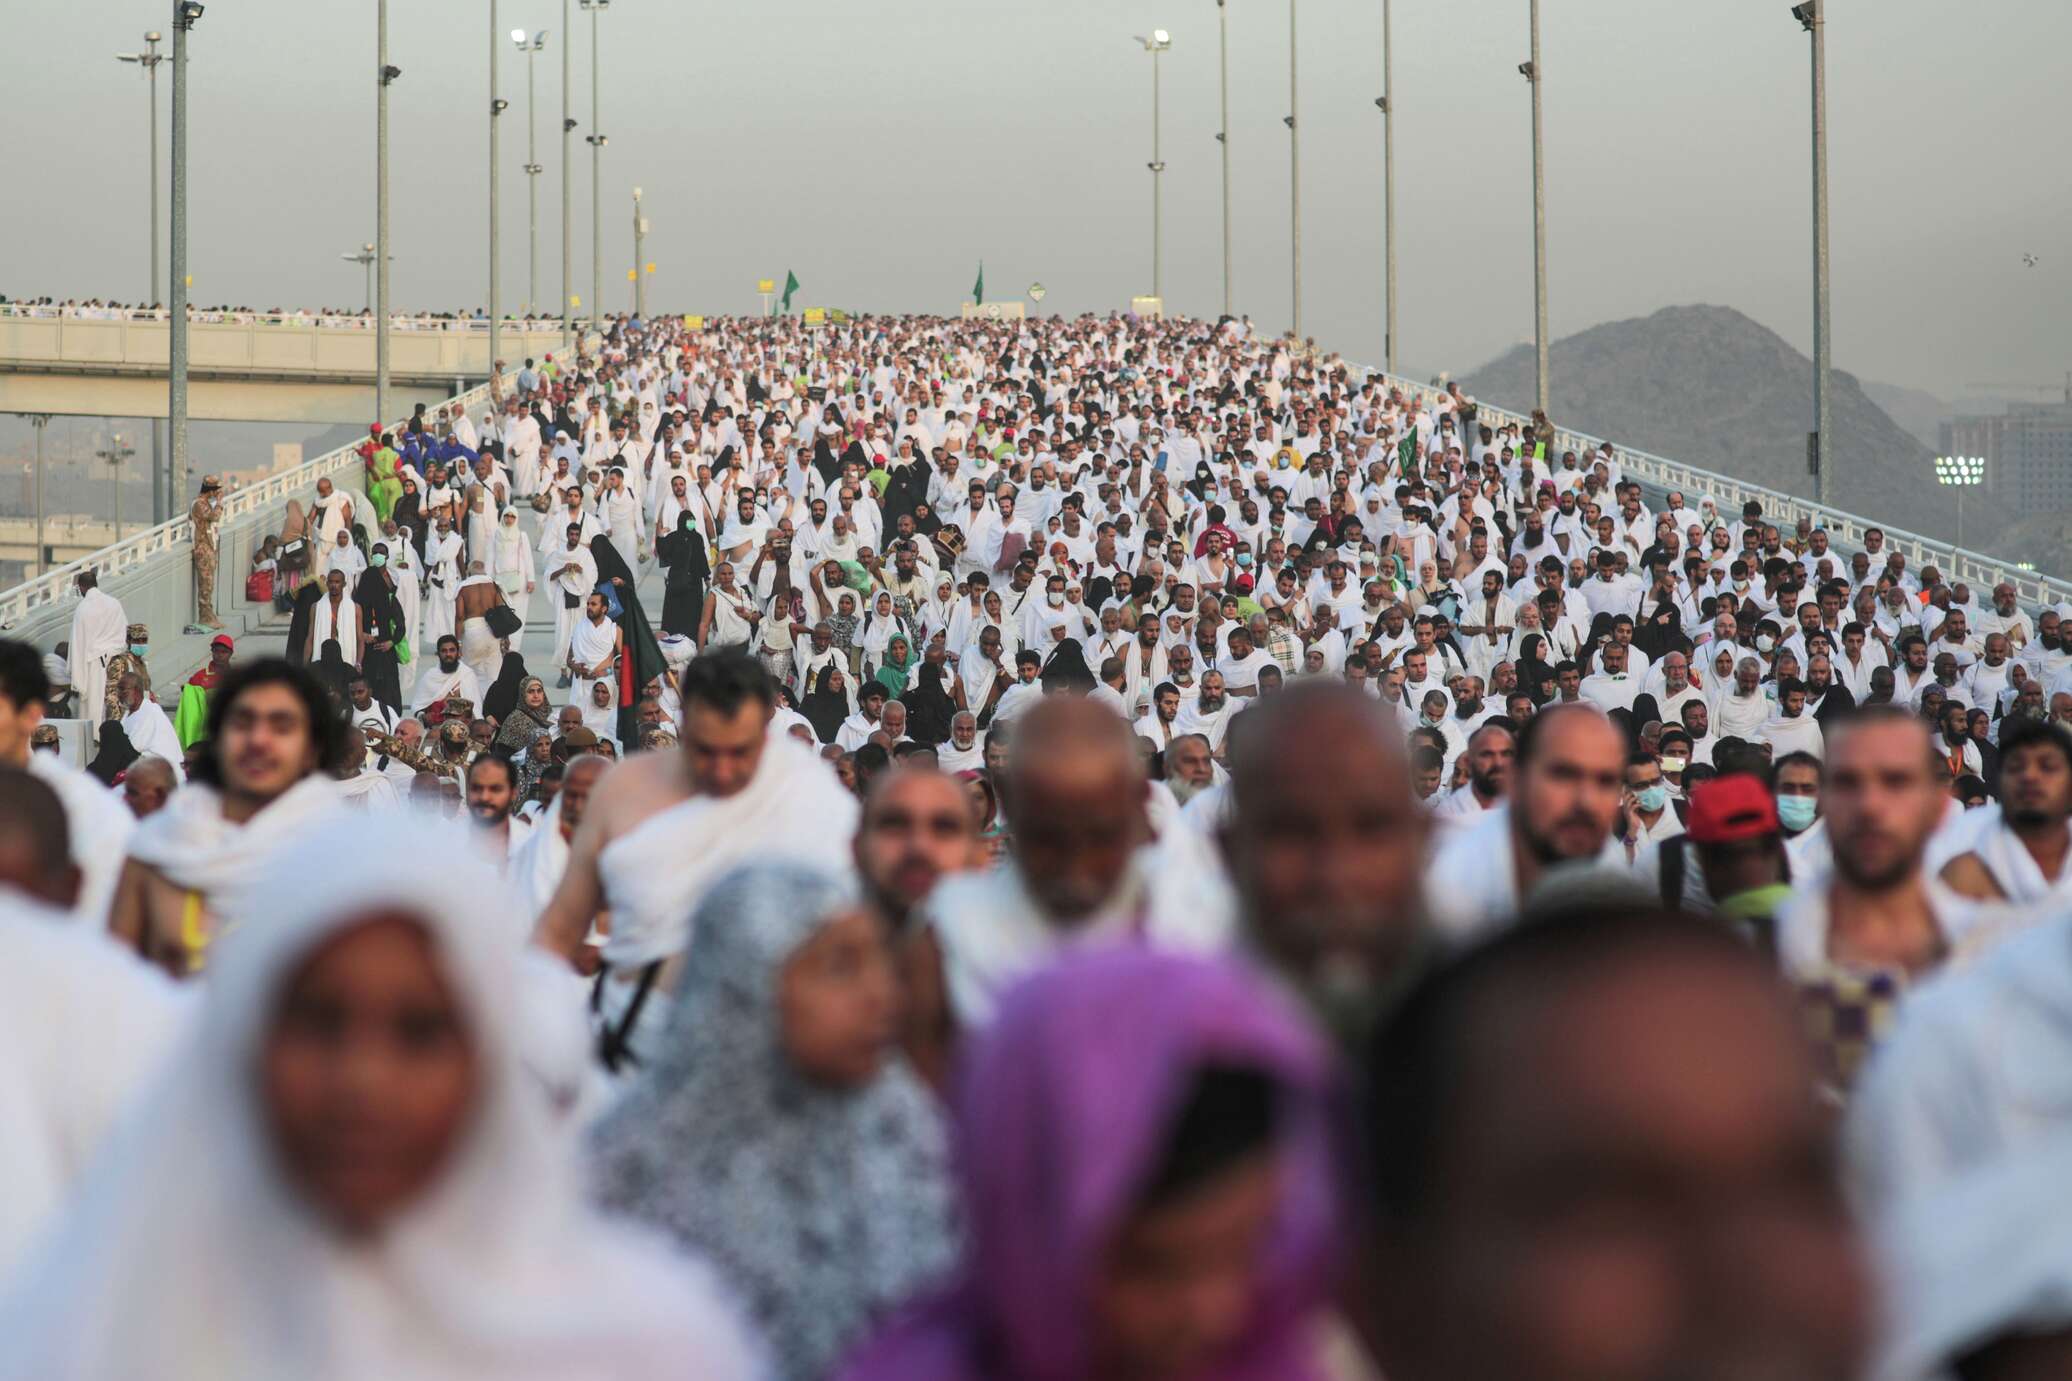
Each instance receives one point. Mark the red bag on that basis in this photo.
(259, 587)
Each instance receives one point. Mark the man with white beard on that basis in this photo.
(442, 581)
(1189, 768)
(963, 753)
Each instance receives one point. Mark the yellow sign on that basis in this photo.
(574, 301)
(631, 275)
(766, 285)
(650, 268)
(694, 323)
(815, 316)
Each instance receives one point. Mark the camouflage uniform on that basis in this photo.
(120, 665)
(205, 513)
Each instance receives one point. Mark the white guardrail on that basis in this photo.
(1845, 530)
(174, 537)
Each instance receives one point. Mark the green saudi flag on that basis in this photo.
(791, 285)
(1406, 455)
(978, 289)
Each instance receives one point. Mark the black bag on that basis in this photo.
(503, 620)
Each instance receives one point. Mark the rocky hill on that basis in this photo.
(1708, 386)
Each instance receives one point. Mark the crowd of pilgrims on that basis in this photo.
(1130, 849)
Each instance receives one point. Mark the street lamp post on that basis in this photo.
(39, 420)
(497, 105)
(568, 125)
(365, 258)
(597, 141)
(1223, 133)
(1294, 184)
(149, 60)
(185, 14)
(115, 453)
(1813, 16)
(639, 259)
(1959, 473)
(384, 76)
(1157, 43)
(1534, 75)
(531, 48)
(1388, 194)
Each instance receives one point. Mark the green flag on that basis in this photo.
(1406, 456)
(978, 289)
(791, 285)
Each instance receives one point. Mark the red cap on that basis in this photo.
(222, 640)
(1728, 809)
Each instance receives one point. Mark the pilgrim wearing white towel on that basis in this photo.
(99, 630)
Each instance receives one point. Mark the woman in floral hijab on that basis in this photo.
(778, 1133)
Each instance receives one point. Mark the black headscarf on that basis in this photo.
(825, 708)
(332, 669)
(824, 463)
(929, 707)
(643, 660)
(115, 754)
(1067, 669)
(502, 695)
(298, 623)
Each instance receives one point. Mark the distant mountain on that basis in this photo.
(1920, 412)
(1708, 386)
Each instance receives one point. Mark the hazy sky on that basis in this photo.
(880, 148)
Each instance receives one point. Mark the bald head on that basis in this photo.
(1075, 798)
(1325, 845)
(146, 785)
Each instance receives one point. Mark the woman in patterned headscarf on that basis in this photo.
(777, 1133)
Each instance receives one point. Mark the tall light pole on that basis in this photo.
(384, 75)
(1388, 194)
(115, 453)
(568, 125)
(39, 420)
(597, 141)
(365, 258)
(1157, 43)
(497, 106)
(1223, 133)
(149, 60)
(1533, 74)
(1813, 16)
(185, 14)
(531, 48)
(1294, 184)
(1959, 473)
(639, 252)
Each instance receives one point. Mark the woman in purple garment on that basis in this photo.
(1149, 1171)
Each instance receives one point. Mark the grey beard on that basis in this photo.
(1184, 790)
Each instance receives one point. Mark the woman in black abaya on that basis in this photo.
(682, 553)
(644, 661)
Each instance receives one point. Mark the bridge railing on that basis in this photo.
(160, 553)
(1845, 530)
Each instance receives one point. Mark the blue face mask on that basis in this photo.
(1797, 813)
(379, 559)
(1652, 798)
(139, 649)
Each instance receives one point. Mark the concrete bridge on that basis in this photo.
(246, 366)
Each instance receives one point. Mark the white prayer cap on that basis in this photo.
(677, 650)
